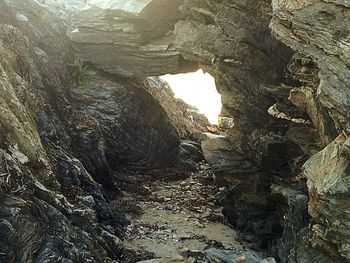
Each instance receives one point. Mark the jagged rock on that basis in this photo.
(38, 122)
(304, 251)
(292, 220)
(319, 30)
(44, 121)
(327, 173)
(247, 204)
(191, 33)
(18, 124)
(187, 121)
(321, 36)
(137, 131)
(37, 224)
(227, 163)
(135, 34)
(227, 39)
(188, 156)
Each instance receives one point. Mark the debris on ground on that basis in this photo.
(180, 220)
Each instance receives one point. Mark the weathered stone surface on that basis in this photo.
(228, 39)
(16, 121)
(138, 133)
(328, 182)
(227, 163)
(293, 218)
(40, 225)
(108, 128)
(320, 30)
(51, 129)
(135, 35)
(188, 121)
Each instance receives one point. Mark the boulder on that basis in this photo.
(136, 130)
(227, 163)
(327, 173)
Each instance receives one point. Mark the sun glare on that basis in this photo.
(197, 89)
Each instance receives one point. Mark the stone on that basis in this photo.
(22, 18)
(293, 221)
(286, 93)
(327, 174)
(224, 160)
(321, 48)
(179, 258)
(187, 120)
(229, 256)
(128, 39)
(136, 130)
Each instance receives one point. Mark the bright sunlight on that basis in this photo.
(197, 89)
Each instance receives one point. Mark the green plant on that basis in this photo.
(81, 74)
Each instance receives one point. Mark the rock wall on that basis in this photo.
(37, 222)
(287, 92)
(319, 30)
(187, 119)
(62, 146)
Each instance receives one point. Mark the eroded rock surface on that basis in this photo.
(59, 142)
(320, 31)
(328, 174)
(188, 121)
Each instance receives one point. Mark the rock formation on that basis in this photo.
(282, 69)
(187, 119)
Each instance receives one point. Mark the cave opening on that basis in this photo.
(197, 89)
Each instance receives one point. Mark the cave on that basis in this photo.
(103, 159)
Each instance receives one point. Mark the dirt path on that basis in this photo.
(173, 220)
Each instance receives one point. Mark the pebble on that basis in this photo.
(22, 18)
(179, 258)
(180, 205)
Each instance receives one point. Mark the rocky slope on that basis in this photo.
(320, 31)
(187, 119)
(62, 145)
(285, 161)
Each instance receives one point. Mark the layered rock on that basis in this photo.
(328, 174)
(232, 42)
(135, 35)
(138, 133)
(319, 30)
(285, 109)
(323, 37)
(59, 144)
(187, 119)
(38, 223)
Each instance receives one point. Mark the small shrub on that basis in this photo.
(81, 74)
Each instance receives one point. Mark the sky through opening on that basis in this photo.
(197, 89)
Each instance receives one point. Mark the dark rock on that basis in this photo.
(186, 118)
(285, 108)
(293, 218)
(228, 256)
(327, 199)
(136, 130)
(188, 156)
(227, 163)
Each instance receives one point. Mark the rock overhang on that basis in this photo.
(133, 6)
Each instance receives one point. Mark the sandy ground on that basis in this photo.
(176, 218)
